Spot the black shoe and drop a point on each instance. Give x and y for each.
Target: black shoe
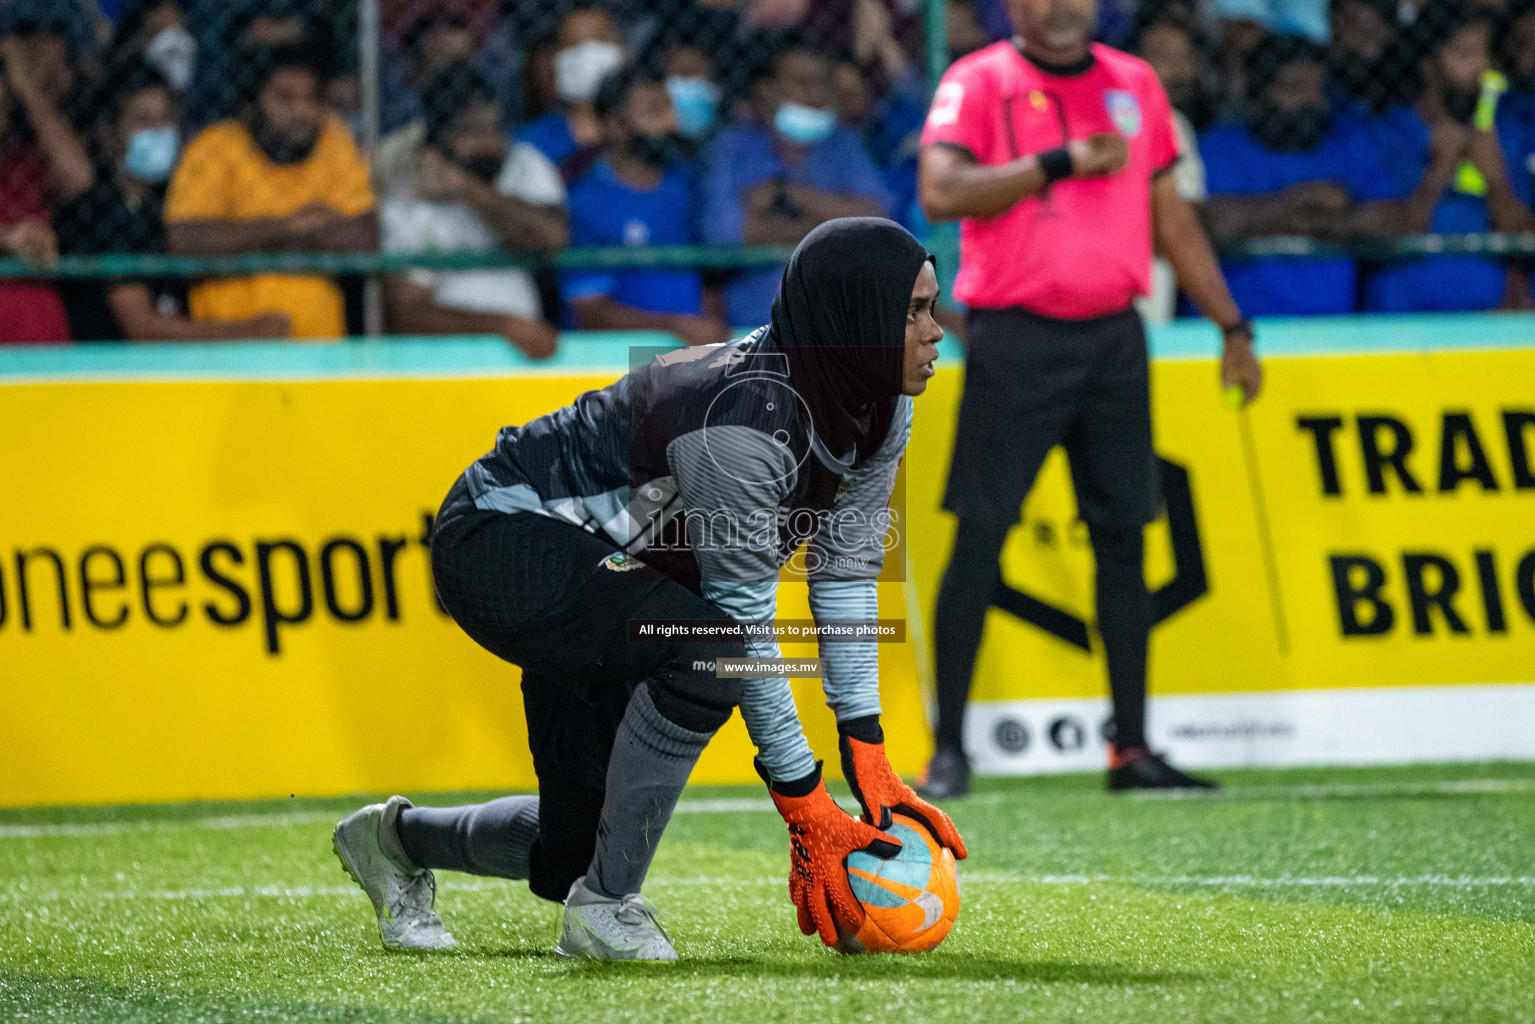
(1139, 768)
(947, 776)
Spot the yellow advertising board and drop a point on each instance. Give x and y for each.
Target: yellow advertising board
(219, 589)
(1343, 572)
(216, 586)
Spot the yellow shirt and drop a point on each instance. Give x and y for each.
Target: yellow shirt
(224, 175)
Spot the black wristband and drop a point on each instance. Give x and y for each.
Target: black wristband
(1243, 327)
(1056, 164)
(865, 730)
(790, 787)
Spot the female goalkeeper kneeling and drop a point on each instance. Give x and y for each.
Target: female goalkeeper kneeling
(677, 494)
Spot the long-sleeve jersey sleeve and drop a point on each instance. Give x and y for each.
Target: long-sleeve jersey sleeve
(846, 556)
(732, 480)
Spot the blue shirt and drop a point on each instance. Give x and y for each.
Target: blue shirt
(1516, 131)
(550, 135)
(1237, 164)
(747, 155)
(604, 210)
(1437, 283)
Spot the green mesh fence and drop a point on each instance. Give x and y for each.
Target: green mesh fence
(394, 79)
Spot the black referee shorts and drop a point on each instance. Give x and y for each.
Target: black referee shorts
(1033, 382)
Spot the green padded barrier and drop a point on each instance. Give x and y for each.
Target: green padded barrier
(606, 352)
(393, 357)
(668, 256)
(612, 257)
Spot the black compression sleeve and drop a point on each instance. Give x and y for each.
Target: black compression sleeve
(1056, 164)
(865, 730)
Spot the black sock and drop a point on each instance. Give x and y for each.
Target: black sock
(1124, 624)
(968, 585)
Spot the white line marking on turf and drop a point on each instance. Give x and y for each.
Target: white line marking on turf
(726, 805)
(107, 828)
(292, 818)
(982, 876)
(1458, 787)
(740, 805)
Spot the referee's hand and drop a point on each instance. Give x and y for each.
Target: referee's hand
(1099, 154)
(1239, 367)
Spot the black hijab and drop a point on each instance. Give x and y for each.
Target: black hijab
(840, 318)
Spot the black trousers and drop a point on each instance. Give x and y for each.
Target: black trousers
(546, 595)
(1033, 382)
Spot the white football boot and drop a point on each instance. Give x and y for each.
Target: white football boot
(598, 927)
(404, 895)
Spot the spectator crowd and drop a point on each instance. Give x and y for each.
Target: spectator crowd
(229, 127)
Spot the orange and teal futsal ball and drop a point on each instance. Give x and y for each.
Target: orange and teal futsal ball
(911, 900)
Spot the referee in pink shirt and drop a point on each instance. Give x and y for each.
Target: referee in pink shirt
(1054, 153)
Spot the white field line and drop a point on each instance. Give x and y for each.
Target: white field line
(726, 805)
(1459, 787)
(735, 805)
(292, 818)
(985, 875)
(981, 876)
(107, 828)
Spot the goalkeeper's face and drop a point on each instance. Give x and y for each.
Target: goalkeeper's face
(922, 332)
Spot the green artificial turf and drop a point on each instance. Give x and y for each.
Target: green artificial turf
(1360, 895)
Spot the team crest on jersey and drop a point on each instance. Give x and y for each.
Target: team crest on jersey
(946, 104)
(1124, 111)
(619, 561)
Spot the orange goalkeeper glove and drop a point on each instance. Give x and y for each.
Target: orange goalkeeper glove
(821, 835)
(880, 790)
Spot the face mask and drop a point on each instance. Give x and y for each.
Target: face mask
(695, 100)
(174, 54)
(1460, 101)
(152, 154)
(580, 69)
(1292, 130)
(485, 166)
(659, 151)
(802, 125)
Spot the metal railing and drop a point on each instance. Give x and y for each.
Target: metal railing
(712, 257)
(709, 257)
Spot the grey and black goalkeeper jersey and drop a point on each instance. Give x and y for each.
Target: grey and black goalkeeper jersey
(705, 463)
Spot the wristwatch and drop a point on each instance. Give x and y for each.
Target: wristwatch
(1243, 328)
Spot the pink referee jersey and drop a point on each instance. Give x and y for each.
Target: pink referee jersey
(1083, 247)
